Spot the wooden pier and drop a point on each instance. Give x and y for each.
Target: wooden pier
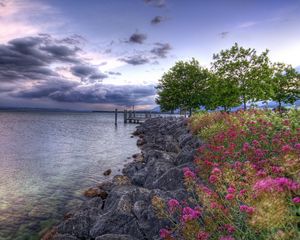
(138, 117)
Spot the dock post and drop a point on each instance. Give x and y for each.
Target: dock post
(116, 116)
(130, 117)
(125, 116)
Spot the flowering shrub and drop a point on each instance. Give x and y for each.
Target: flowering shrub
(250, 164)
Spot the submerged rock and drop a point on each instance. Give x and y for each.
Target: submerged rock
(107, 172)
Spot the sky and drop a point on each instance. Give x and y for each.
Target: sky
(106, 54)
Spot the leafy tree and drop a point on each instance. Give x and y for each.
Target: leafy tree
(285, 84)
(183, 86)
(243, 70)
(222, 93)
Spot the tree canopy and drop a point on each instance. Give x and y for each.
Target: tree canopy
(285, 84)
(244, 72)
(183, 86)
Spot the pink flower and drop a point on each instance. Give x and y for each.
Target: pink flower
(202, 235)
(173, 204)
(286, 148)
(255, 143)
(216, 171)
(247, 209)
(229, 196)
(188, 174)
(261, 173)
(246, 147)
(189, 214)
(231, 190)
(297, 146)
(275, 184)
(230, 229)
(296, 200)
(226, 238)
(213, 205)
(213, 178)
(164, 233)
(259, 153)
(242, 192)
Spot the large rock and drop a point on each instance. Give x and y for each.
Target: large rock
(116, 237)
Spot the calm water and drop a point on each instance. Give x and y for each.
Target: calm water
(47, 159)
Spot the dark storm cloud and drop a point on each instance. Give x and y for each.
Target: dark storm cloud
(157, 20)
(114, 73)
(45, 89)
(156, 3)
(87, 73)
(30, 58)
(34, 67)
(62, 91)
(135, 60)
(137, 38)
(223, 34)
(161, 49)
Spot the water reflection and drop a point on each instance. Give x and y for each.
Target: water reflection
(47, 159)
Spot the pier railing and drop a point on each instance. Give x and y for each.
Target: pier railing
(140, 116)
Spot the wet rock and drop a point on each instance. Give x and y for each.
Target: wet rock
(170, 180)
(107, 172)
(95, 192)
(116, 237)
(64, 237)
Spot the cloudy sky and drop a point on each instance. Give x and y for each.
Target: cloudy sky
(99, 54)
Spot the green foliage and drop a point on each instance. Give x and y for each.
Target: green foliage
(242, 76)
(183, 86)
(285, 84)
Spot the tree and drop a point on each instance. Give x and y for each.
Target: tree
(222, 93)
(245, 71)
(183, 86)
(285, 84)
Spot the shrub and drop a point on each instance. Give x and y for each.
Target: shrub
(250, 164)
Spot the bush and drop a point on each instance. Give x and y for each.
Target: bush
(250, 165)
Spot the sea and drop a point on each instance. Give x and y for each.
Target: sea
(47, 160)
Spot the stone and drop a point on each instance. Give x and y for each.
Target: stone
(95, 192)
(115, 237)
(107, 172)
(64, 237)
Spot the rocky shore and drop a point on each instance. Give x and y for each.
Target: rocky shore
(121, 209)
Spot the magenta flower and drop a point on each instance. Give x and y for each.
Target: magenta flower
(173, 204)
(213, 178)
(286, 148)
(247, 209)
(188, 174)
(275, 184)
(230, 229)
(231, 190)
(189, 214)
(226, 238)
(202, 235)
(216, 171)
(242, 192)
(164, 233)
(229, 196)
(297, 146)
(296, 200)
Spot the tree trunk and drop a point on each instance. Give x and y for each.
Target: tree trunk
(279, 106)
(190, 113)
(244, 103)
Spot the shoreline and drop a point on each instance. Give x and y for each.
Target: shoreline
(121, 208)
